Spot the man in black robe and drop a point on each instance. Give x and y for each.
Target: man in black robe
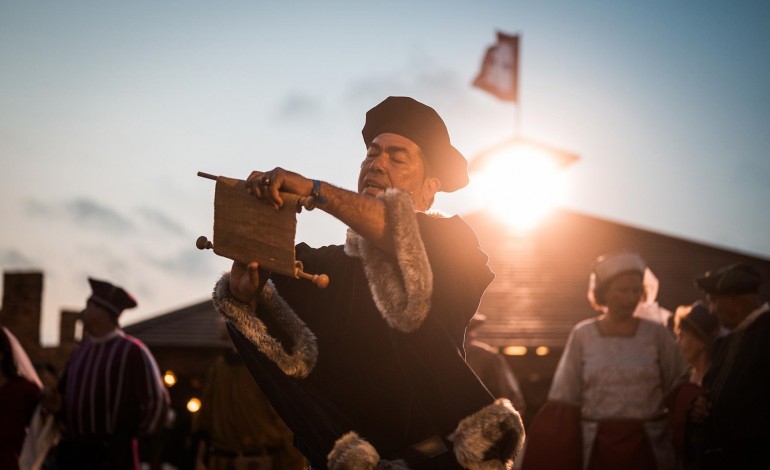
(737, 428)
(370, 370)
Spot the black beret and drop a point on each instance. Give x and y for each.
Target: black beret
(113, 298)
(422, 125)
(699, 319)
(734, 279)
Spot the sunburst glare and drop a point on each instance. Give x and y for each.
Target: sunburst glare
(521, 184)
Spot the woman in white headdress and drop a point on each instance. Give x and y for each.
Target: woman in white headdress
(606, 405)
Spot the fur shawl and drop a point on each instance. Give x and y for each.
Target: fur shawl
(401, 286)
(297, 363)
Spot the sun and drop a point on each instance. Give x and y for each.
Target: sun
(520, 185)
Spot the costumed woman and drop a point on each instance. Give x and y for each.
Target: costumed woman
(696, 330)
(606, 405)
(18, 399)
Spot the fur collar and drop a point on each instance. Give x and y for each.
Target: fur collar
(489, 439)
(401, 286)
(300, 362)
(352, 452)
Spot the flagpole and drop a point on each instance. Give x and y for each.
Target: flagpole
(517, 125)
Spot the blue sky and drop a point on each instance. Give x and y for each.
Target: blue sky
(108, 110)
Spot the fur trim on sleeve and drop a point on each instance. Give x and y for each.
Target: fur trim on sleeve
(300, 362)
(351, 452)
(401, 286)
(490, 438)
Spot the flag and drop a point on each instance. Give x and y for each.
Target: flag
(500, 68)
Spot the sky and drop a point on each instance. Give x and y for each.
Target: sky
(109, 109)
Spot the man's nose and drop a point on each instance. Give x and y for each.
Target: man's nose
(378, 163)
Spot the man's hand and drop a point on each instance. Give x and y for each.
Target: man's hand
(267, 185)
(701, 408)
(51, 401)
(247, 281)
(364, 214)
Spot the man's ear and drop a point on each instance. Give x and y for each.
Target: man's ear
(433, 185)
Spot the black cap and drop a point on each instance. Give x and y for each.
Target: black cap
(113, 298)
(734, 279)
(699, 319)
(422, 125)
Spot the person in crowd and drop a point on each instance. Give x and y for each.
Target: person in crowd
(236, 425)
(21, 360)
(648, 307)
(18, 399)
(696, 330)
(43, 433)
(111, 390)
(491, 366)
(735, 409)
(370, 371)
(606, 406)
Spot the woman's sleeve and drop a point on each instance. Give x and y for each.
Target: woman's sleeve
(554, 438)
(673, 365)
(567, 385)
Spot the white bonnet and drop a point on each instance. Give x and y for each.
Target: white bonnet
(609, 266)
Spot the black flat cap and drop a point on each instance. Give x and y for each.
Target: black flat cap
(699, 319)
(422, 125)
(113, 298)
(734, 279)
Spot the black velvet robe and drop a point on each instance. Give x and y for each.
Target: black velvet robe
(394, 389)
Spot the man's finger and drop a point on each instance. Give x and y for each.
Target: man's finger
(252, 182)
(254, 273)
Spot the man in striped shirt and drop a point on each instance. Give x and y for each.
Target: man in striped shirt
(111, 390)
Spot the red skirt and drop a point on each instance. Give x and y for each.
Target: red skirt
(623, 445)
(554, 441)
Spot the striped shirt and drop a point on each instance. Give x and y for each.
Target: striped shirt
(112, 385)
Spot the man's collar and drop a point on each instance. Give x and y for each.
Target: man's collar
(107, 337)
(752, 316)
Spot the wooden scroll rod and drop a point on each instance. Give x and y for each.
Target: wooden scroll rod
(320, 280)
(308, 202)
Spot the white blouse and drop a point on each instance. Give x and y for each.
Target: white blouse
(620, 377)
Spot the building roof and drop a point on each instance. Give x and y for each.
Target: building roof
(195, 326)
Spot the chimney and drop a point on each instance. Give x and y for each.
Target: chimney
(22, 298)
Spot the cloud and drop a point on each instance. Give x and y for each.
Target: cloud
(82, 212)
(87, 212)
(299, 106)
(14, 259)
(423, 79)
(189, 262)
(378, 85)
(161, 220)
(34, 207)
